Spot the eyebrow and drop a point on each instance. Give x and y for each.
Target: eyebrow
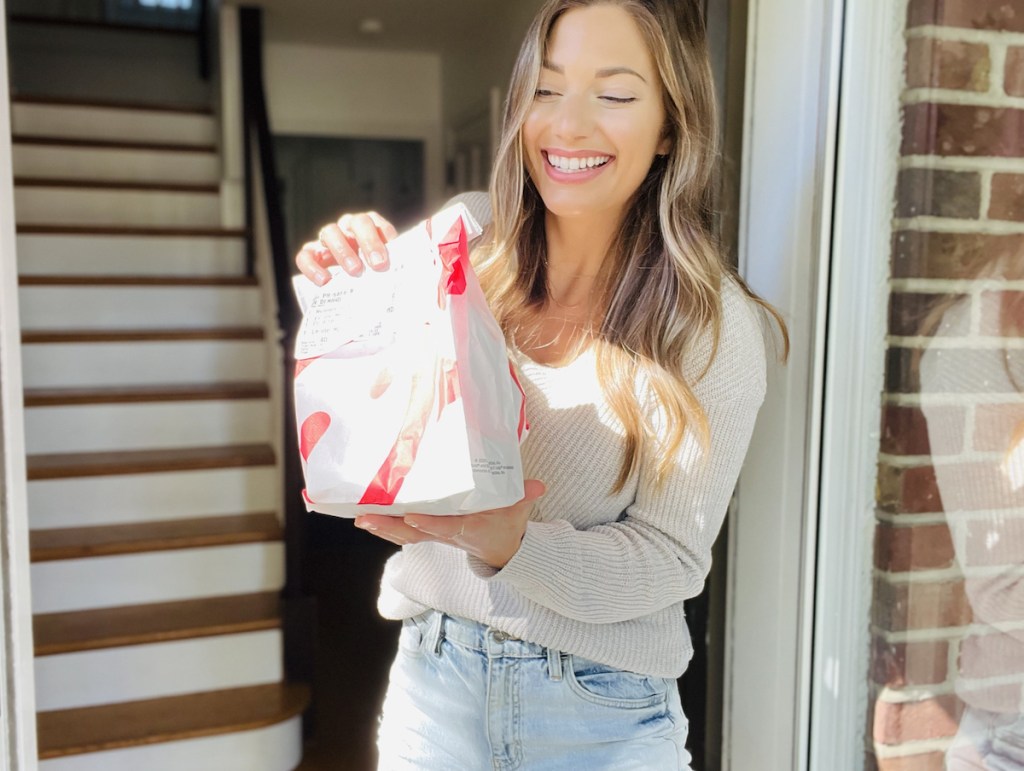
(607, 72)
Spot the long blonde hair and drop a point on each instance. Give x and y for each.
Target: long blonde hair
(662, 287)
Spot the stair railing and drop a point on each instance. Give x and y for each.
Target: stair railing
(264, 220)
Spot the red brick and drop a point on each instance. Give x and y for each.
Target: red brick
(948, 64)
(898, 665)
(898, 607)
(911, 490)
(997, 426)
(914, 314)
(905, 430)
(997, 541)
(1013, 79)
(935, 718)
(1007, 197)
(962, 130)
(923, 254)
(946, 487)
(938, 193)
(952, 370)
(899, 549)
(1005, 15)
(1002, 313)
(929, 761)
(991, 655)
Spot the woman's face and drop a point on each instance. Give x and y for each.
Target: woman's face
(597, 118)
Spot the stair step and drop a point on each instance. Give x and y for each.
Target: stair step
(56, 633)
(87, 358)
(132, 724)
(111, 104)
(119, 254)
(116, 500)
(65, 465)
(93, 161)
(18, 140)
(52, 397)
(113, 120)
(29, 337)
(106, 26)
(116, 184)
(72, 204)
(85, 229)
(73, 280)
(82, 542)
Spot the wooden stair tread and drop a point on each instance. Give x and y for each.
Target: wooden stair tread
(57, 21)
(115, 726)
(139, 335)
(114, 104)
(51, 397)
(82, 464)
(82, 630)
(106, 184)
(111, 144)
(87, 280)
(128, 230)
(68, 543)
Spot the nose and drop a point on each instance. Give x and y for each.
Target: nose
(573, 119)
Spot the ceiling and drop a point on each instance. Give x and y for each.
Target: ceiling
(413, 25)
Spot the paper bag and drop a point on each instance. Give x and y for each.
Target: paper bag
(405, 397)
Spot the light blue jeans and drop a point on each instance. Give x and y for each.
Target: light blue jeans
(464, 697)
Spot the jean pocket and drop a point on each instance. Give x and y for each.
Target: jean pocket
(410, 639)
(612, 687)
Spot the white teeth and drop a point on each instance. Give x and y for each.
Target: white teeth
(576, 164)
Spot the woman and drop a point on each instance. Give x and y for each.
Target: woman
(548, 635)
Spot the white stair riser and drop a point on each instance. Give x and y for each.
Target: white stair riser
(112, 123)
(138, 307)
(159, 425)
(60, 162)
(140, 363)
(118, 500)
(130, 255)
(34, 205)
(274, 748)
(179, 574)
(155, 670)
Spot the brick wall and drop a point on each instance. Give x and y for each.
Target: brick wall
(950, 522)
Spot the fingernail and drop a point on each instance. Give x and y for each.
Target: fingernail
(376, 259)
(353, 266)
(365, 526)
(412, 524)
(320, 278)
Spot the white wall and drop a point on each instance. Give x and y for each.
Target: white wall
(341, 92)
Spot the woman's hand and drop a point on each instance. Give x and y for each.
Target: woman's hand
(353, 242)
(491, 536)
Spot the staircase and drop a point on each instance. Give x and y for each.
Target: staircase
(154, 484)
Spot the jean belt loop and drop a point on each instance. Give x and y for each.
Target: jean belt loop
(436, 633)
(555, 664)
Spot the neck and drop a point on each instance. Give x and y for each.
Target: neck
(576, 246)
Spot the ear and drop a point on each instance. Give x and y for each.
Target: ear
(665, 145)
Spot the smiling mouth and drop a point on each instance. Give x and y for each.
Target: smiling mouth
(576, 165)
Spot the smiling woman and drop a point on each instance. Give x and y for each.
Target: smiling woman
(549, 634)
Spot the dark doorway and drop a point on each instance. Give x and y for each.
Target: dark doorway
(321, 178)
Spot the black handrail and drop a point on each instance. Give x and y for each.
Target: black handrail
(298, 607)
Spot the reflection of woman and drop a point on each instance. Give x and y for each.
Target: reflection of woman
(549, 634)
(975, 409)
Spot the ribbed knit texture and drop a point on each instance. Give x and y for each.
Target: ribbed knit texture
(604, 575)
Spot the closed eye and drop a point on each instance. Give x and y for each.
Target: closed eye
(619, 99)
(541, 93)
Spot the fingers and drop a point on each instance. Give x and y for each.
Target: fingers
(354, 241)
(533, 489)
(451, 529)
(312, 260)
(364, 230)
(390, 529)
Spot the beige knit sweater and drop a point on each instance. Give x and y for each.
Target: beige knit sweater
(598, 574)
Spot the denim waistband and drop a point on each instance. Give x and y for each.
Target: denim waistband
(474, 635)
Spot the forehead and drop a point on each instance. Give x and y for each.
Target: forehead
(598, 36)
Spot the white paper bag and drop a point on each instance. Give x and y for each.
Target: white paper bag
(404, 395)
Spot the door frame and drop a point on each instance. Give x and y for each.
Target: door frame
(786, 202)
(17, 697)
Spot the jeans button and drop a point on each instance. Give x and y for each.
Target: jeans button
(499, 636)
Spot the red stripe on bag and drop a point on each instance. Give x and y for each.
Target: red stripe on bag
(522, 405)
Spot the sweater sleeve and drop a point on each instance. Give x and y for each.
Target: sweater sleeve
(659, 551)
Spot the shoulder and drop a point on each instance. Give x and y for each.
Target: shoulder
(739, 366)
